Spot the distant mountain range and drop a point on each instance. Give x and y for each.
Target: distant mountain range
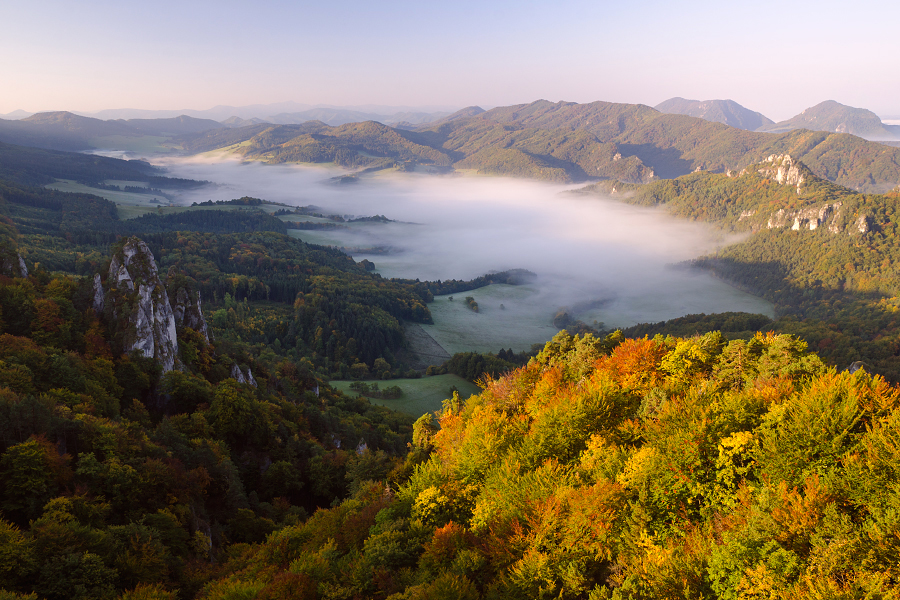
(339, 116)
(67, 131)
(826, 116)
(728, 112)
(562, 141)
(285, 113)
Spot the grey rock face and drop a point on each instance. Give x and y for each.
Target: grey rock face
(784, 170)
(98, 295)
(11, 262)
(237, 374)
(140, 304)
(188, 311)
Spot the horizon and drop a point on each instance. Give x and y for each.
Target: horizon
(888, 117)
(168, 56)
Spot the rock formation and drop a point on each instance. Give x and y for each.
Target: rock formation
(138, 304)
(186, 305)
(785, 170)
(11, 262)
(238, 375)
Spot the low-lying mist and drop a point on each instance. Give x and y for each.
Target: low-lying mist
(613, 260)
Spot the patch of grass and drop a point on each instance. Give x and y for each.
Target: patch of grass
(132, 204)
(521, 322)
(66, 185)
(420, 396)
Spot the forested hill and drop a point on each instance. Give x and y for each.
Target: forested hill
(657, 468)
(62, 130)
(116, 475)
(674, 145)
(564, 141)
(36, 166)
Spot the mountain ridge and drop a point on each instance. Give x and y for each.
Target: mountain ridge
(728, 112)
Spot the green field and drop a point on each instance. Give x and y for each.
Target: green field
(420, 396)
(692, 293)
(521, 322)
(132, 204)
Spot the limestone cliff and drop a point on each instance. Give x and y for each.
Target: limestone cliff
(238, 375)
(11, 262)
(785, 170)
(186, 305)
(138, 304)
(12, 265)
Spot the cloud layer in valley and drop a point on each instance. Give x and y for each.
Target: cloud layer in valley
(587, 251)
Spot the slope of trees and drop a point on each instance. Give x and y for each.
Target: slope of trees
(620, 468)
(116, 477)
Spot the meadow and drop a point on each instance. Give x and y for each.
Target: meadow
(420, 396)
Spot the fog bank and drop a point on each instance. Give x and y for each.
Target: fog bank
(613, 260)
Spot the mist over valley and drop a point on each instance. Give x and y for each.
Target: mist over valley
(600, 259)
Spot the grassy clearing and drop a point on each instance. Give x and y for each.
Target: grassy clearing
(420, 396)
(323, 237)
(144, 202)
(133, 204)
(527, 318)
(521, 322)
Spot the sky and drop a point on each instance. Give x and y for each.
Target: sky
(774, 57)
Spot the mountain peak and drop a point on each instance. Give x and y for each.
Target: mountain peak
(728, 112)
(835, 117)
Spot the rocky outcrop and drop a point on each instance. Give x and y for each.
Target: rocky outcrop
(186, 306)
(810, 218)
(807, 218)
(99, 294)
(138, 304)
(11, 262)
(785, 170)
(814, 217)
(239, 376)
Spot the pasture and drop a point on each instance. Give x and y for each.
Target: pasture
(509, 316)
(420, 396)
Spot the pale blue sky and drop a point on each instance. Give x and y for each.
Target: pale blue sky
(775, 57)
